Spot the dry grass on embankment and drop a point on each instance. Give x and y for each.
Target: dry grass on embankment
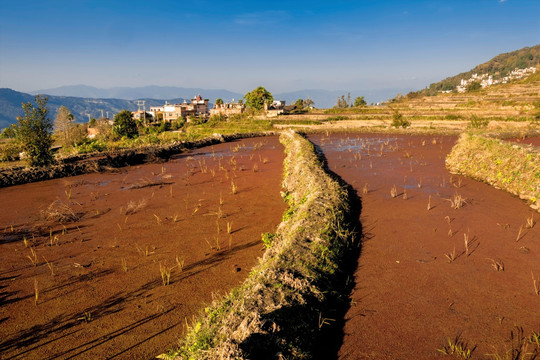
(98, 162)
(505, 165)
(279, 310)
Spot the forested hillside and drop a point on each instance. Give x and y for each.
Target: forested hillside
(500, 66)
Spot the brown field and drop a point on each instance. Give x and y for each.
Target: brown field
(443, 257)
(85, 260)
(426, 276)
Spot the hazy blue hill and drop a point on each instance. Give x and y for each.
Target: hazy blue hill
(10, 105)
(87, 100)
(500, 66)
(322, 98)
(145, 92)
(11, 100)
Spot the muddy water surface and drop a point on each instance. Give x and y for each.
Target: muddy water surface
(417, 282)
(83, 260)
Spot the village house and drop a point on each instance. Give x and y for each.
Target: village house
(170, 112)
(197, 107)
(278, 107)
(228, 109)
(140, 115)
(156, 112)
(486, 80)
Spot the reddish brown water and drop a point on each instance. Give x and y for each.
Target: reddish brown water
(409, 299)
(106, 298)
(535, 141)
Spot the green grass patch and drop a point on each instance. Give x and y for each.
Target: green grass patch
(505, 165)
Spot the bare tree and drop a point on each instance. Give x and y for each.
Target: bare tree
(63, 124)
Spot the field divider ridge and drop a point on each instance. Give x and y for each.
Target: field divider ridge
(282, 309)
(505, 165)
(107, 160)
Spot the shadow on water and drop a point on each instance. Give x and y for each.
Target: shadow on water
(331, 333)
(63, 326)
(296, 323)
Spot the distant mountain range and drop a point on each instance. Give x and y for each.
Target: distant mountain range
(82, 108)
(322, 98)
(145, 92)
(86, 101)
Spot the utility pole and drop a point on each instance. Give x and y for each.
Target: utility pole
(143, 104)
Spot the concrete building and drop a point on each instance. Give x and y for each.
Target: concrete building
(196, 107)
(228, 109)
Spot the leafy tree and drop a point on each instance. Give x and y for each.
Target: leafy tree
(341, 103)
(35, 132)
(256, 98)
(124, 124)
(475, 85)
(105, 130)
(308, 102)
(219, 101)
(78, 134)
(413, 95)
(359, 101)
(92, 123)
(63, 123)
(10, 132)
(299, 104)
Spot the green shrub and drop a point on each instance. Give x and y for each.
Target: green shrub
(268, 239)
(452, 117)
(474, 86)
(535, 120)
(178, 124)
(125, 125)
(91, 146)
(216, 119)
(10, 132)
(196, 120)
(9, 151)
(337, 118)
(399, 121)
(477, 122)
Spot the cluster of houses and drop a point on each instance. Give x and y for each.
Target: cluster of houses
(486, 80)
(170, 112)
(199, 107)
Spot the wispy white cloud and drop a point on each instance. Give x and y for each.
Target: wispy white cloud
(261, 18)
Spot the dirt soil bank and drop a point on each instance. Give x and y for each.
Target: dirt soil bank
(409, 298)
(98, 242)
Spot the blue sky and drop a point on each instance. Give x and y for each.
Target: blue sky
(238, 45)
